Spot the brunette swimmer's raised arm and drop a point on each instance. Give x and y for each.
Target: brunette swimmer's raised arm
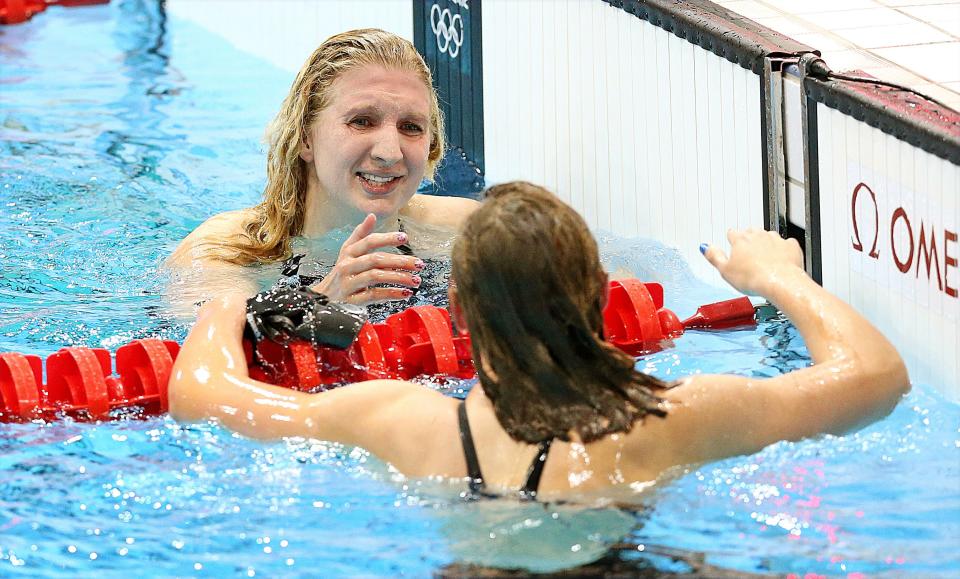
(857, 375)
(393, 419)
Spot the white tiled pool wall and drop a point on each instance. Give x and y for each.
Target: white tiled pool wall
(899, 266)
(641, 131)
(649, 135)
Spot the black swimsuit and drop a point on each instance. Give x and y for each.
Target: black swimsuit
(432, 290)
(477, 486)
(290, 274)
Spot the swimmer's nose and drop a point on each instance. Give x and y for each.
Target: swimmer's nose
(386, 149)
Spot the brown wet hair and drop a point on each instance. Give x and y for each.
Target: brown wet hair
(531, 288)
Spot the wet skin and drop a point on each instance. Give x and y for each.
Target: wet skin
(857, 376)
(367, 152)
(366, 155)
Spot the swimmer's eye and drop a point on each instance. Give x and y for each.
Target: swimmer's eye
(412, 128)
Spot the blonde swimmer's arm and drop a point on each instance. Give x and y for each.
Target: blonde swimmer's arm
(210, 379)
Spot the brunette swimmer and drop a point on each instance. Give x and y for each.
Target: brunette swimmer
(558, 411)
(356, 135)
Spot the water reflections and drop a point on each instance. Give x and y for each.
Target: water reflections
(116, 143)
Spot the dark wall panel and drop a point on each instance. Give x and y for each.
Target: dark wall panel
(448, 34)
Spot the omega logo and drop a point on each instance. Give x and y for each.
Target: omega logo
(918, 247)
(448, 28)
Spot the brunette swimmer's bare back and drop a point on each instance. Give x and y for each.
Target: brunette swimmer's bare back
(857, 376)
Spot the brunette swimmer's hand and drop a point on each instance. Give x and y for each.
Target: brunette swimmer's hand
(757, 259)
(360, 267)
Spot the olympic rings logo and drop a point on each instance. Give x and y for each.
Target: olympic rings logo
(448, 29)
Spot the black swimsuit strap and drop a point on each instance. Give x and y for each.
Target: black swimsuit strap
(470, 451)
(477, 485)
(404, 248)
(529, 490)
(290, 274)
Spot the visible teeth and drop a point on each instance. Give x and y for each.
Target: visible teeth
(375, 178)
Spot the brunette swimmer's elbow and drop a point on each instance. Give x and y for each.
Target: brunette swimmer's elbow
(898, 375)
(888, 382)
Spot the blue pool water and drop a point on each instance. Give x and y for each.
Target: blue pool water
(121, 131)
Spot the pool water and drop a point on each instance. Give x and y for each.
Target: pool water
(122, 130)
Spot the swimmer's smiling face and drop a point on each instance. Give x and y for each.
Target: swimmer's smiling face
(367, 152)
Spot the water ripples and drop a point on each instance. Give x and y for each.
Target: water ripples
(107, 163)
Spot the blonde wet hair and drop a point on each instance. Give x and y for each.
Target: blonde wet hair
(268, 229)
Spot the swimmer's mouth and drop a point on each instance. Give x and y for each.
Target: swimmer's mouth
(378, 183)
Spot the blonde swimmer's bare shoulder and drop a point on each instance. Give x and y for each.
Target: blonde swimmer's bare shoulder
(440, 211)
(220, 227)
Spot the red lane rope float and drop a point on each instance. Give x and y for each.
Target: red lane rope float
(80, 382)
(631, 320)
(76, 379)
(722, 315)
(17, 11)
(415, 342)
(144, 367)
(420, 341)
(424, 334)
(635, 320)
(20, 380)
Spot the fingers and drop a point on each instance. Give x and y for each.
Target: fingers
(381, 260)
(362, 230)
(715, 255)
(372, 277)
(797, 250)
(351, 277)
(347, 287)
(378, 295)
(360, 267)
(363, 240)
(372, 242)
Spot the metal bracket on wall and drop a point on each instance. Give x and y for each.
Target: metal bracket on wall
(811, 173)
(774, 162)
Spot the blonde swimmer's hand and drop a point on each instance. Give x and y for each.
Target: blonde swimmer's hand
(360, 268)
(757, 259)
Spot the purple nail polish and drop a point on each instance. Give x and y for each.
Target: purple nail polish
(419, 264)
(402, 237)
(416, 280)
